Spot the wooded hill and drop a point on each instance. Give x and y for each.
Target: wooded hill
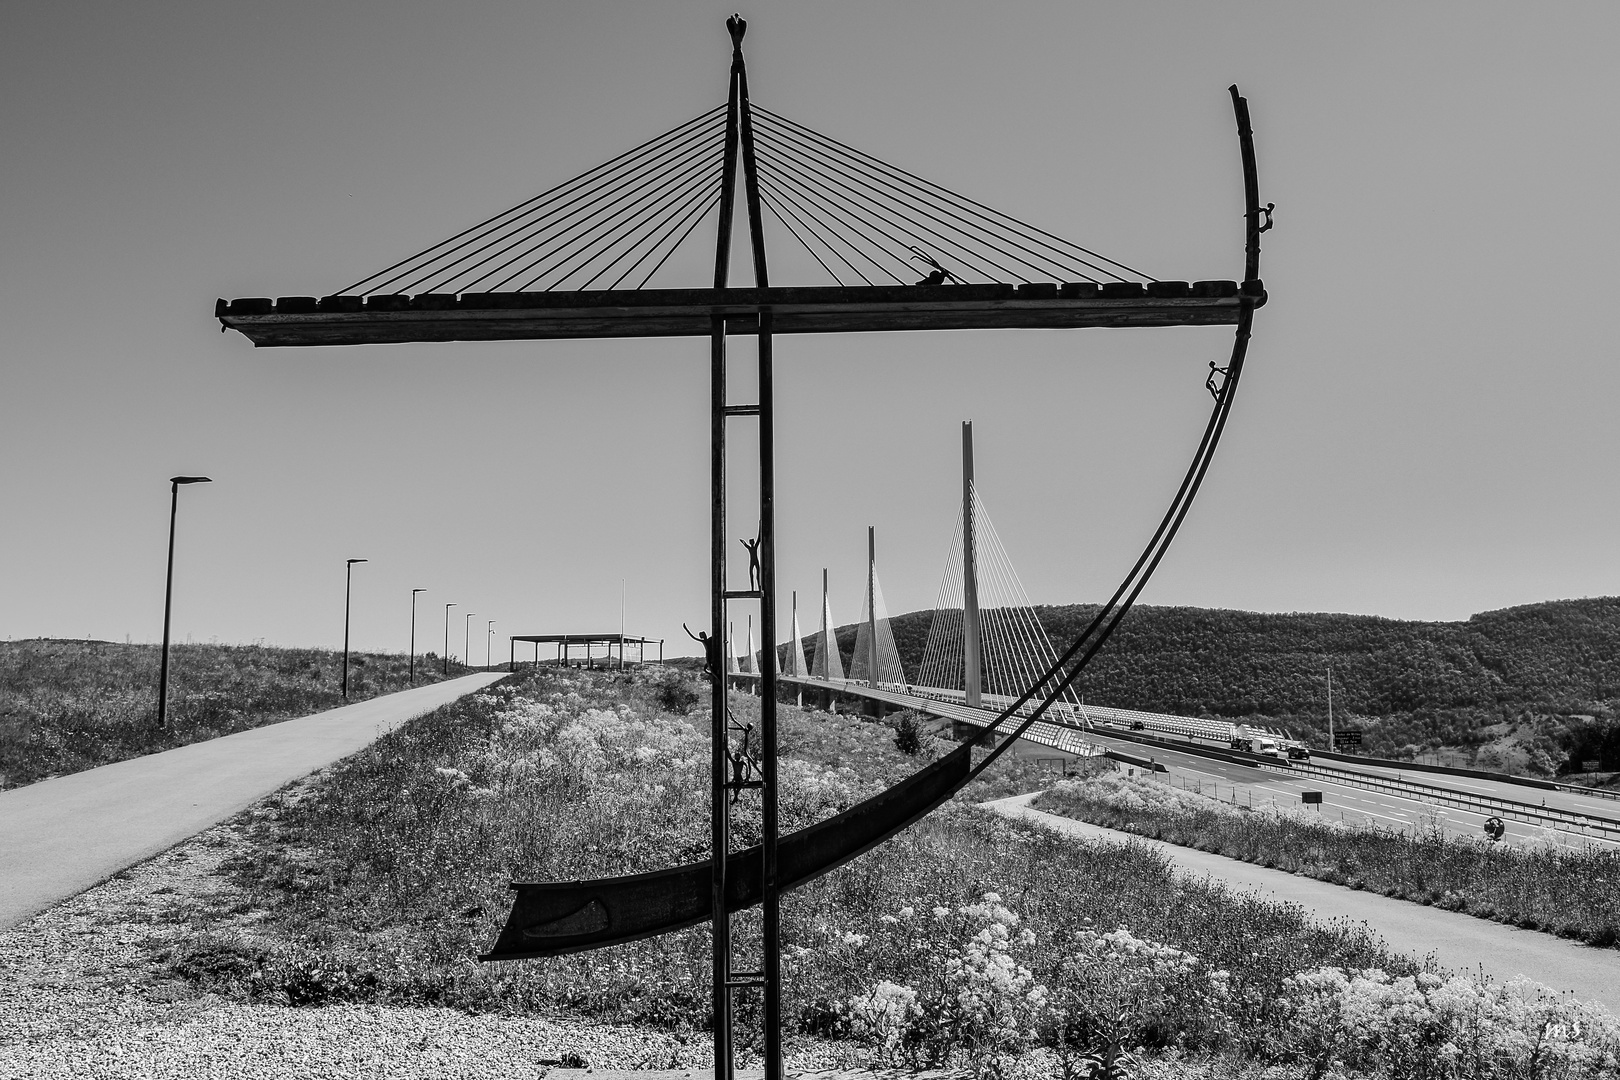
(1553, 667)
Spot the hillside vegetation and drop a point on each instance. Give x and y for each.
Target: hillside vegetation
(66, 706)
(1534, 688)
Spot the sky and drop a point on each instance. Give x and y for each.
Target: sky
(1426, 427)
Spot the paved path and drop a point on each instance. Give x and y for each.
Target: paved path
(1459, 942)
(59, 837)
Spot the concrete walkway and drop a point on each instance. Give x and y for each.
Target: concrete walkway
(1459, 942)
(59, 837)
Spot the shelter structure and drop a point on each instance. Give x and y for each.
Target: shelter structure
(567, 643)
(574, 262)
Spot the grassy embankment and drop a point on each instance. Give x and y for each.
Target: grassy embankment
(1574, 894)
(66, 706)
(967, 938)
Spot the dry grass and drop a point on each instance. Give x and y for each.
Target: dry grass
(391, 873)
(66, 706)
(1574, 894)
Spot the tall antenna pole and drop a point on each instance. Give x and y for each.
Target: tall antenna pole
(971, 663)
(871, 609)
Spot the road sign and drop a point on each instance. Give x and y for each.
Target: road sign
(1494, 828)
(1309, 797)
(1347, 739)
(1591, 766)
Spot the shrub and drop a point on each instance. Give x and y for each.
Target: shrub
(908, 734)
(675, 692)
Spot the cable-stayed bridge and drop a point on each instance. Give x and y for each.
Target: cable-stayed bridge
(985, 645)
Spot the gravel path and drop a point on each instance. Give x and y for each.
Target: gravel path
(84, 993)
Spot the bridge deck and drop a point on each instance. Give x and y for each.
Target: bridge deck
(1057, 736)
(357, 320)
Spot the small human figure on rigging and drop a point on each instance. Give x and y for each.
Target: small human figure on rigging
(1209, 383)
(753, 562)
(742, 764)
(711, 651)
(939, 275)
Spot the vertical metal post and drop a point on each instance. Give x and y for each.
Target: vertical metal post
(871, 609)
(348, 578)
(168, 598)
(740, 144)
(971, 663)
(719, 813)
(447, 608)
(412, 681)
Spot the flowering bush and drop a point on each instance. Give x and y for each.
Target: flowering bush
(975, 1002)
(1426, 1026)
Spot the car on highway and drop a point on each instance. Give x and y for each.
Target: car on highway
(1269, 748)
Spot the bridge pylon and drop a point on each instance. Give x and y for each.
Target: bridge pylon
(972, 647)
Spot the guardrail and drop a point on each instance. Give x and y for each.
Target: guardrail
(1488, 804)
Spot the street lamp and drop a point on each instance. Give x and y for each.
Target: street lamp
(489, 633)
(348, 577)
(168, 594)
(413, 636)
(466, 639)
(447, 608)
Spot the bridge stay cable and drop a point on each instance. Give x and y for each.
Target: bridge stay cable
(973, 207)
(902, 208)
(586, 184)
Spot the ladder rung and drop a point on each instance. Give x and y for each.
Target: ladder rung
(742, 594)
(740, 410)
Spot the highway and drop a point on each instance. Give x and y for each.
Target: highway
(1352, 792)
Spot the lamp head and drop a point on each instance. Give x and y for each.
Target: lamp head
(353, 561)
(190, 480)
(415, 591)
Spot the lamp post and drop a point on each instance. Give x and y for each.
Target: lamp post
(348, 579)
(447, 608)
(412, 681)
(466, 638)
(168, 595)
(489, 635)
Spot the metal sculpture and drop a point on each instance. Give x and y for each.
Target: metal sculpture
(627, 218)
